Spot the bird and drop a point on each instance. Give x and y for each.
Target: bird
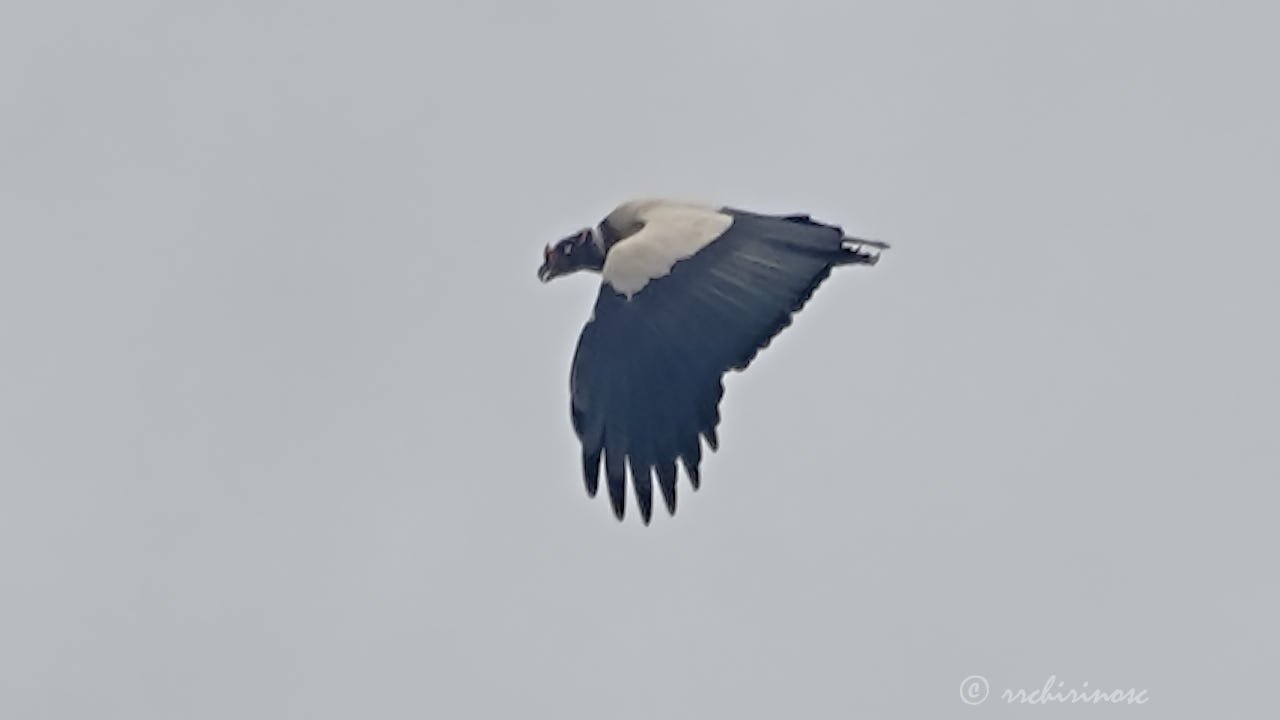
(688, 292)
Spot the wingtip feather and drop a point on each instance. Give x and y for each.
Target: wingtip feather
(667, 483)
(591, 472)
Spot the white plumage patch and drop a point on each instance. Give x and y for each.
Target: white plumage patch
(670, 232)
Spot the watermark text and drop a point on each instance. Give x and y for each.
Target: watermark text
(975, 690)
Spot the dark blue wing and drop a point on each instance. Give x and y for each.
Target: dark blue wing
(646, 378)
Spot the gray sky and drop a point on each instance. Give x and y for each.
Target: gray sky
(284, 410)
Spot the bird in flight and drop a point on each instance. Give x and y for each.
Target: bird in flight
(688, 292)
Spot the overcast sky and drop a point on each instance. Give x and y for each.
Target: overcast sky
(284, 426)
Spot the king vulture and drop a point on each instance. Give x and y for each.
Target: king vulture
(688, 292)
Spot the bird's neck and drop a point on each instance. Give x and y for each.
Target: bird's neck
(589, 257)
(606, 236)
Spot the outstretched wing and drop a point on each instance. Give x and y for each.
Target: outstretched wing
(683, 300)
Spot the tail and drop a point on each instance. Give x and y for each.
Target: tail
(856, 255)
(853, 254)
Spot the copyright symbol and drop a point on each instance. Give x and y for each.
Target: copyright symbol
(974, 690)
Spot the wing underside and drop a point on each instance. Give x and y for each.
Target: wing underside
(646, 378)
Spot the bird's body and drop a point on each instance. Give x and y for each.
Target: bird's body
(688, 292)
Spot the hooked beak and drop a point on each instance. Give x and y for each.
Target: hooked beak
(544, 272)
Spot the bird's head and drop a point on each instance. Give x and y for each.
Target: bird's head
(580, 251)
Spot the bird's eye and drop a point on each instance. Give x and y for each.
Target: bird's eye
(567, 248)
